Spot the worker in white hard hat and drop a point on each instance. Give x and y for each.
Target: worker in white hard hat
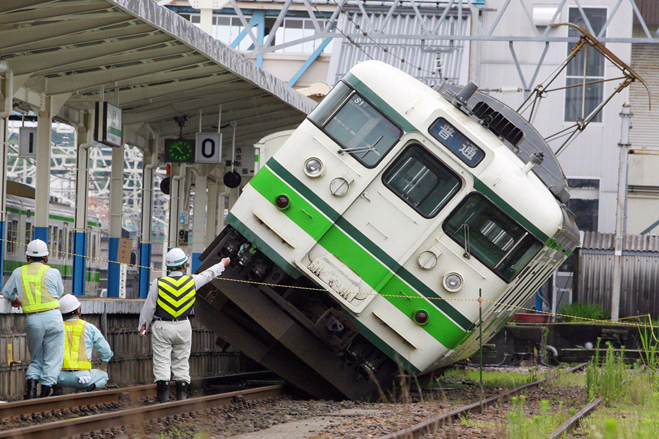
(81, 339)
(168, 305)
(36, 288)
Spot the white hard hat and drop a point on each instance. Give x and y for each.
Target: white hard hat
(37, 249)
(68, 303)
(175, 258)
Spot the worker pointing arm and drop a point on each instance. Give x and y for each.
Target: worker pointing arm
(169, 304)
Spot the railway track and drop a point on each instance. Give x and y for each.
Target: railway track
(432, 426)
(113, 411)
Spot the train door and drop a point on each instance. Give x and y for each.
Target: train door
(374, 236)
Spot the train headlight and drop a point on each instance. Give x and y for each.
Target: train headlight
(313, 167)
(421, 317)
(453, 282)
(282, 202)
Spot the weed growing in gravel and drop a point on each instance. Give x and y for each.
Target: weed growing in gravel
(632, 401)
(522, 426)
(650, 357)
(607, 380)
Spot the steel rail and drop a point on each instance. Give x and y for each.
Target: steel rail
(571, 424)
(31, 406)
(432, 425)
(139, 415)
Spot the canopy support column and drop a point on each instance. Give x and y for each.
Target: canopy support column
(199, 223)
(116, 203)
(211, 213)
(80, 235)
(148, 160)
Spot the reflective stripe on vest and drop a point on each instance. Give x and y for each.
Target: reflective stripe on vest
(75, 350)
(35, 294)
(176, 295)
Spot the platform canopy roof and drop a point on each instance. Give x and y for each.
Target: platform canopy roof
(145, 59)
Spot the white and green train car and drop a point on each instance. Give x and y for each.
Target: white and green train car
(20, 231)
(368, 237)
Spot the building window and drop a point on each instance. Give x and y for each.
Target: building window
(576, 107)
(228, 28)
(584, 202)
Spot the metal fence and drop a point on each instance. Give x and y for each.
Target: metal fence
(640, 273)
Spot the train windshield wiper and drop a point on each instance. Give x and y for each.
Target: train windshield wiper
(467, 243)
(365, 149)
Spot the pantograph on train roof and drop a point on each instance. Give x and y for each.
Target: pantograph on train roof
(514, 127)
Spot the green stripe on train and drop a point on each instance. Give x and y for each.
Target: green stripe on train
(382, 256)
(92, 275)
(55, 217)
(350, 251)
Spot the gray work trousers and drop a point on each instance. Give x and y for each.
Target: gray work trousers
(171, 342)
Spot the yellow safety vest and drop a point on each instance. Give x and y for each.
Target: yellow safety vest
(176, 295)
(35, 294)
(75, 350)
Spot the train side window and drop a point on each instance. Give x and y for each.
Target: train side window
(28, 232)
(357, 126)
(53, 242)
(421, 181)
(456, 142)
(65, 241)
(70, 244)
(12, 236)
(491, 236)
(60, 243)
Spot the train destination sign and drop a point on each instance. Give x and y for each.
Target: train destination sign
(456, 142)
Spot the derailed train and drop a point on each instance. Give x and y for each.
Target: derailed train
(361, 248)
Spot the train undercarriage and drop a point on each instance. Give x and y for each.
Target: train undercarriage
(288, 325)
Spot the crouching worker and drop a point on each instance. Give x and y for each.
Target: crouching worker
(80, 339)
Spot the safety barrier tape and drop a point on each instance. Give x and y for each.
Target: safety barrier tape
(447, 299)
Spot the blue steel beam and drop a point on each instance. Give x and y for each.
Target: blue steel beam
(257, 19)
(309, 61)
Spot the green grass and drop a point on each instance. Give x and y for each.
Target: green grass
(579, 312)
(631, 396)
(491, 379)
(523, 426)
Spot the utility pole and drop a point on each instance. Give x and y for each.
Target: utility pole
(626, 116)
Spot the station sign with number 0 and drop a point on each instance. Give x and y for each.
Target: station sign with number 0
(209, 148)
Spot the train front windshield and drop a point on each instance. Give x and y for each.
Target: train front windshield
(491, 236)
(357, 126)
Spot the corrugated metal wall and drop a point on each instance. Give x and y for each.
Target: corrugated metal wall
(640, 273)
(132, 361)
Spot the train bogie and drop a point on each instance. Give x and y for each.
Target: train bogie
(386, 215)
